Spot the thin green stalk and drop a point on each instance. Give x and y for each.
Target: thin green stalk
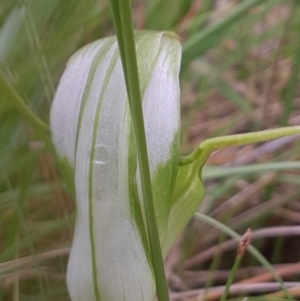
(242, 248)
(123, 24)
(259, 257)
(220, 172)
(37, 124)
(209, 145)
(231, 277)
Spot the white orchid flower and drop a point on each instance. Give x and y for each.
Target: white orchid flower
(92, 131)
(93, 135)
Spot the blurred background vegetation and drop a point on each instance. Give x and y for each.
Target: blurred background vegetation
(240, 73)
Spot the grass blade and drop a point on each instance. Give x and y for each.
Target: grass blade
(196, 44)
(36, 123)
(122, 20)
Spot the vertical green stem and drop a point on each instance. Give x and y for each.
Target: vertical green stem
(231, 277)
(123, 25)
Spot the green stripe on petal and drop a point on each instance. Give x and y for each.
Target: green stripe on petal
(162, 100)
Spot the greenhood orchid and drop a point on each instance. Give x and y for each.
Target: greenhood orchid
(93, 136)
(91, 129)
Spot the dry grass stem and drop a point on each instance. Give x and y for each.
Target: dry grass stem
(231, 244)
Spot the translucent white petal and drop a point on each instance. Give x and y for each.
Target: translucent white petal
(91, 127)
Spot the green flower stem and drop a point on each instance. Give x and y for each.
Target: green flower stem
(252, 250)
(37, 124)
(231, 277)
(123, 25)
(209, 145)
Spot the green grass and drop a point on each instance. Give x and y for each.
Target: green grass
(236, 77)
(121, 11)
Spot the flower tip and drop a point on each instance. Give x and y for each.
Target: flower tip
(245, 242)
(172, 35)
